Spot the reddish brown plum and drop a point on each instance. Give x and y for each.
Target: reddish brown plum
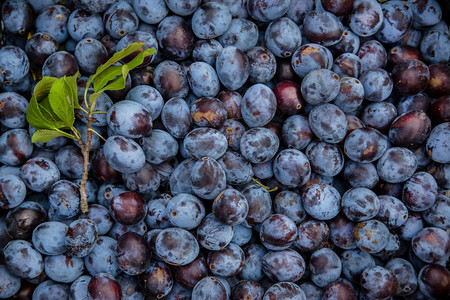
(440, 109)
(230, 207)
(338, 8)
(157, 280)
(132, 253)
(401, 53)
(410, 129)
(410, 77)
(102, 169)
(208, 111)
(419, 101)
(188, 275)
(104, 286)
(289, 98)
(439, 84)
(339, 289)
(434, 281)
(128, 208)
(431, 244)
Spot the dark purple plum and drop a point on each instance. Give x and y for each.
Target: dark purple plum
(292, 168)
(185, 211)
(278, 232)
(296, 132)
(366, 17)
(284, 265)
(325, 266)
(120, 19)
(84, 24)
(170, 80)
(284, 290)
(396, 165)
(21, 220)
(175, 37)
(309, 57)
(128, 208)
(242, 33)
(371, 236)
(103, 286)
(379, 282)
(232, 67)
(321, 201)
(322, 27)
(132, 253)
(328, 122)
(188, 275)
(267, 10)
(214, 235)
(81, 237)
(226, 262)
(176, 246)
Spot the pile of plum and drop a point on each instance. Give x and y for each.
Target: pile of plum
(269, 149)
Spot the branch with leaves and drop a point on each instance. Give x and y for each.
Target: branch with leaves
(51, 110)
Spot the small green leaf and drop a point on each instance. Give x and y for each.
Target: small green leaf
(61, 102)
(45, 135)
(111, 73)
(114, 59)
(118, 83)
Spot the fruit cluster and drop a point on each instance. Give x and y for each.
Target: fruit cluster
(267, 149)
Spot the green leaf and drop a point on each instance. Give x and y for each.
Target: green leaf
(47, 112)
(61, 102)
(34, 115)
(45, 135)
(112, 72)
(114, 59)
(73, 87)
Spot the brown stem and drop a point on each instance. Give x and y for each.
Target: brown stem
(87, 147)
